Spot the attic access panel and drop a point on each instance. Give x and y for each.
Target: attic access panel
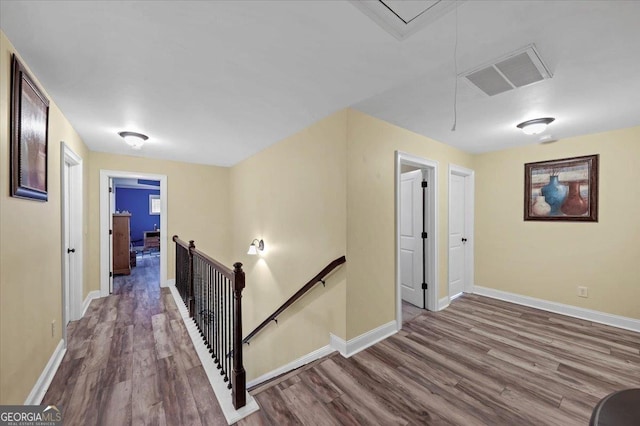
(402, 18)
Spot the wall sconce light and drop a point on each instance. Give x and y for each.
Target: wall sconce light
(535, 126)
(133, 139)
(253, 249)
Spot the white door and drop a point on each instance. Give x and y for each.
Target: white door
(457, 238)
(411, 253)
(67, 247)
(112, 209)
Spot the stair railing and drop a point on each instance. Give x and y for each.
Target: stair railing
(212, 293)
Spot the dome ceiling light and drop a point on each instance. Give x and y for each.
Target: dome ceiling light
(535, 126)
(133, 139)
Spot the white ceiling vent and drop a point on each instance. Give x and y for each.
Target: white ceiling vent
(401, 18)
(517, 69)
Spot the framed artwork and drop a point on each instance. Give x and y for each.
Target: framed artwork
(562, 190)
(29, 134)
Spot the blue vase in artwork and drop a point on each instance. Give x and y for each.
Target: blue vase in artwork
(554, 194)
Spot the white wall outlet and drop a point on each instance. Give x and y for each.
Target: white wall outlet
(583, 291)
(53, 328)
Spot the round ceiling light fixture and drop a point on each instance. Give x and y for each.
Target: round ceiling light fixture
(133, 139)
(535, 126)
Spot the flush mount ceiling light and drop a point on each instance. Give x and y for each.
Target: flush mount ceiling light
(253, 249)
(535, 126)
(133, 139)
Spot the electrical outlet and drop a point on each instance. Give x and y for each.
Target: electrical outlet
(583, 292)
(53, 328)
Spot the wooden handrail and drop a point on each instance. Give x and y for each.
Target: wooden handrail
(180, 242)
(219, 266)
(312, 282)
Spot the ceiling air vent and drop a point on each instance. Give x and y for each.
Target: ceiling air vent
(514, 70)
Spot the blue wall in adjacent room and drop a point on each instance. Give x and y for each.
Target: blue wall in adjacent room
(136, 202)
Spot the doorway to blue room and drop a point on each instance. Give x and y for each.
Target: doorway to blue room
(136, 214)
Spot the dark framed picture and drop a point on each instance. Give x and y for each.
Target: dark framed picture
(562, 190)
(29, 134)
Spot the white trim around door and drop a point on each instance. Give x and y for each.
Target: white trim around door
(71, 206)
(469, 187)
(430, 169)
(104, 223)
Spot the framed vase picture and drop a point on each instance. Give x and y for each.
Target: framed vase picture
(29, 134)
(562, 190)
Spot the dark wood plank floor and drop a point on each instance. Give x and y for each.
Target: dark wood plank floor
(479, 362)
(130, 361)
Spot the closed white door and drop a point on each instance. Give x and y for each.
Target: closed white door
(457, 239)
(411, 252)
(68, 255)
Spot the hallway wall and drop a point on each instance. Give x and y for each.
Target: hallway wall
(548, 260)
(198, 206)
(30, 260)
(371, 290)
(292, 195)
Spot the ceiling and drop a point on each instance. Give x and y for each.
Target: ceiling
(215, 82)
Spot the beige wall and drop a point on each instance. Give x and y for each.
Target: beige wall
(30, 276)
(371, 291)
(548, 260)
(198, 204)
(292, 195)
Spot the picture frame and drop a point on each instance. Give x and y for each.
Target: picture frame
(564, 190)
(29, 136)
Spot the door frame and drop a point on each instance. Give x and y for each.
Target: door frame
(104, 223)
(431, 168)
(469, 188)
(76, 202)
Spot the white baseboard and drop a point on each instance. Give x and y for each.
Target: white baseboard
(85, 305)
(43, 382)
(351, 347)
(443, 303)
(346, 348)
(170, 283)
(304, 360)
(223, 395)
(560, 308)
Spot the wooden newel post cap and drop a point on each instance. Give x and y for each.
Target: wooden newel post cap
(237, 267)
(192, 244)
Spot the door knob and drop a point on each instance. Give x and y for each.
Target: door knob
(464, 240)
(71, 250)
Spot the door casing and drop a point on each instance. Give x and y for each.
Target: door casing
(469, 187)
(105, 253)
(71, 226)
(431, 169)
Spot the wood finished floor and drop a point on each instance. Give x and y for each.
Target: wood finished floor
(130, 361)
(479, 362)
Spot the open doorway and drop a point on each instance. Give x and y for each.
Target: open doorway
(136, 216)
(132, 206)
(416, 235)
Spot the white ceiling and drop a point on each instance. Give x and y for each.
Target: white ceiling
(215, 82)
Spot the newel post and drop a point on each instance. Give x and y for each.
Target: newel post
(239, 379)
(190, 293)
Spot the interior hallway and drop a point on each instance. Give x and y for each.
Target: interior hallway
(130, 361)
